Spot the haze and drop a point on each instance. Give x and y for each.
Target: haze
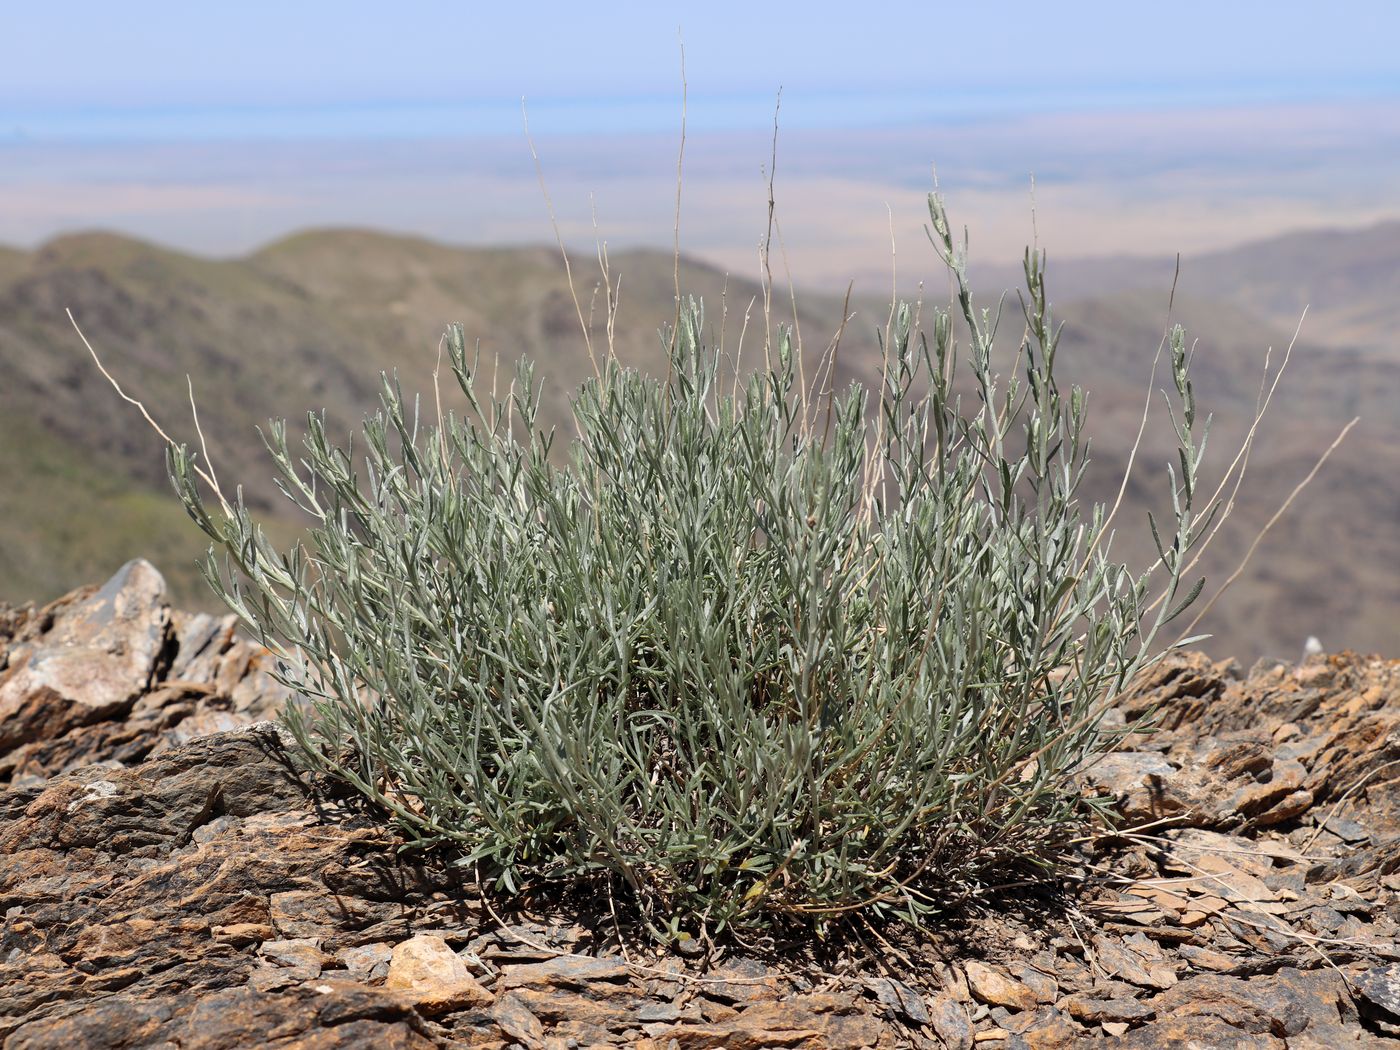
(1147, 131)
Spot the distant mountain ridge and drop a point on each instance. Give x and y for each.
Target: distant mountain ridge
(308, 323)
(1348, 281)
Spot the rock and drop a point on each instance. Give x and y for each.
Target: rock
(949, 1021)
(1283, 1005)
(993, 987)
(98, 656)
(1118, 960)
(1048, 1029)
(164, 883)
(1096, 1011)
(370, 960)
(302, 957)
(1379, 991)
(113, 899)
(515, 1020)
(1178, 690)
(1284, 778)
(1146, 788)
(241, 934)
(329, 1015)
(899, 999)
(566, 970)
(736, 981)
(1042, 985)
(433, 977)
(810, 1021)
(114, 676)
(1195, 1033)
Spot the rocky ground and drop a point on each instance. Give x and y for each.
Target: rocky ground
(166, 880)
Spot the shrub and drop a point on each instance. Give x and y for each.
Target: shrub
(747, 653)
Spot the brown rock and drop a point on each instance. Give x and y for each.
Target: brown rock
(240, 934)
(1196, 1033)
(1049, 1029)
(589, 1015)
(738, 981)
(142, 702)
(1283, 1004)
(993, 987)
(514, 1018)
(432, 975)
(1042, 985)
(1095, 1011)
(1179, 690)
(566, 970)
(1118, 960)
(1285, 778)
(1291, 806)
(303, 957)
(1245, 758)
(188, 894)
(366, 958)
(316, 1016)
(1146, 788)
(949, 1021)
(816, 1021)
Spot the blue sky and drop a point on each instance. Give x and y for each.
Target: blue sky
(179, 71)
(1149, 128)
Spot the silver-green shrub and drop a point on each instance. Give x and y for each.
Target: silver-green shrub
(746, 653)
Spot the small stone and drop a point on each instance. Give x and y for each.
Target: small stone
(573, 970)
(1096, 1011)
(652, 1012)
(1120, 961)
(1050, 1030)
(433, 976)
(995, 988)
(690, 947)
(1348, 831)
(1286, 732)
(363, 958)
(948, 1019)
(738, 981)
(98, 656)
(302, 956)
(1206, 958)
(515, 1019)
(1042, 986)
(273, 979)
(1287, 808)
(242, 934)
(899, 999)
(1380, 987)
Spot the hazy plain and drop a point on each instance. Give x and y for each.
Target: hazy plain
(1146, 181)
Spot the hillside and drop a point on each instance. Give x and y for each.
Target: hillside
(309, 321)
(1347, 280)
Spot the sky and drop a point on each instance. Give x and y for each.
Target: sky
(1147, 127)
